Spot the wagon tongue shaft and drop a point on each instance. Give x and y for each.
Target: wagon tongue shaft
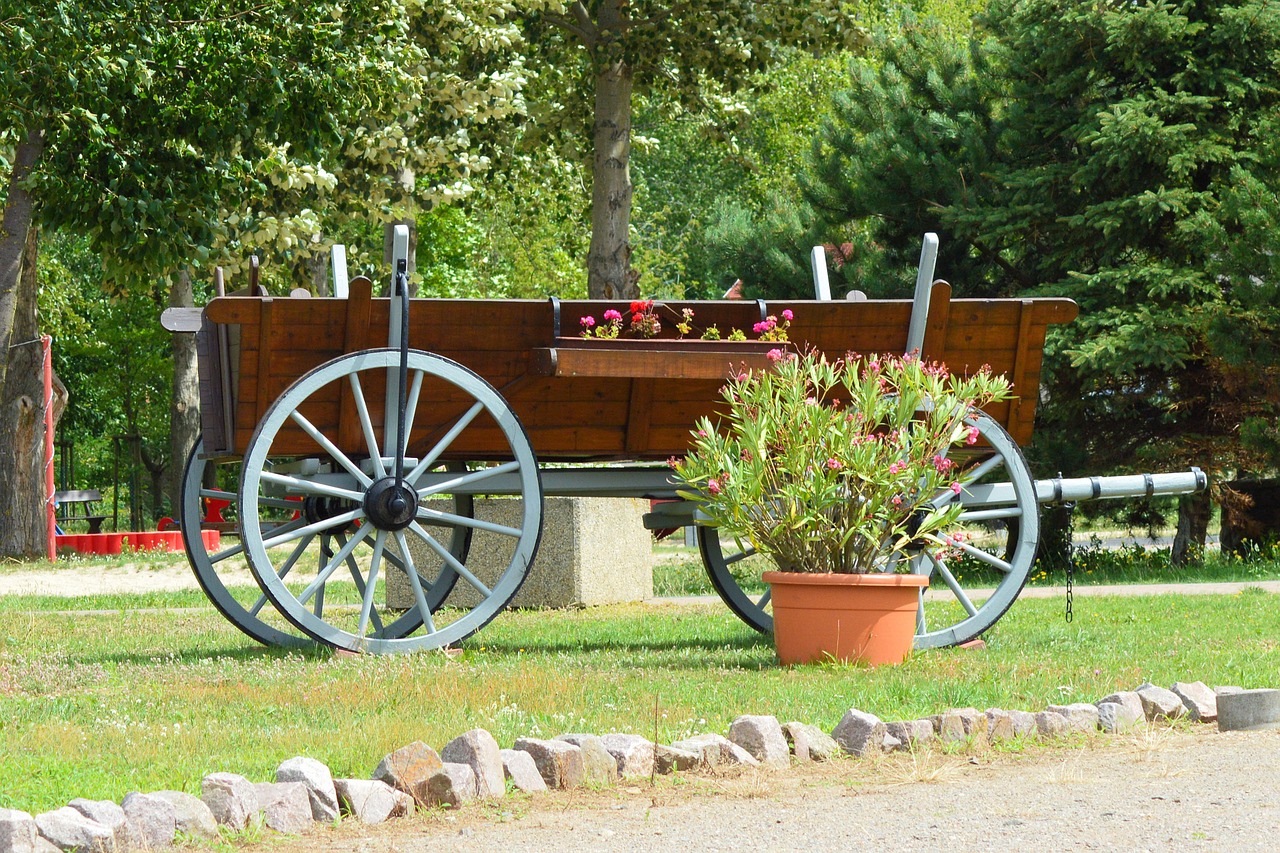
(1069, 490)
(1058, 490)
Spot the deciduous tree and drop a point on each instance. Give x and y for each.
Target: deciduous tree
(595, 57)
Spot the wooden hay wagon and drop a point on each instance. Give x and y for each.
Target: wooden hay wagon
(305, 401)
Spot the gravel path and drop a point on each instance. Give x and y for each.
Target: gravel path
(142, 577)
(1161, 790)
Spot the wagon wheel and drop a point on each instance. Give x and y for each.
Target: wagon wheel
(1001, 527)
(723, 558)
(362, 508)
(213, 480)
(999, 499)
(244, 606)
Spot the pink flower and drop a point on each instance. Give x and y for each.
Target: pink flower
(897, 500)
(713, 486)
(787, 315)
(834, 464)
(955, 488)
(972, 436)
(611, 315)
(774, 355)
(587, 322)
(897, 467)
(761, 327)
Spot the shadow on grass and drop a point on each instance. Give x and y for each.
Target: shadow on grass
(247, 653)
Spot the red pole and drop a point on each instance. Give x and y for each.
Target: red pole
(46, 343)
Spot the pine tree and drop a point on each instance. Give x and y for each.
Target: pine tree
(1122, 154)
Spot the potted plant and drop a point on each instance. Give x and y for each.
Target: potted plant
(831, 467)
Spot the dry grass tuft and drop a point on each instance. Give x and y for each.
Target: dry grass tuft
(921, 765)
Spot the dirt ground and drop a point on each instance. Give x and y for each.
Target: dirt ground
(87, 579)
(1158, 790)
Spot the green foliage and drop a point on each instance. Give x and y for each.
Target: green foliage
(747, 217)
(192, 133)
(836, 466)
(909, 139)
(114, 359)
(535, 228)
(1119, 154)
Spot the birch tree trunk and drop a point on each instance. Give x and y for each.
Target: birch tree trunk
(609, 273)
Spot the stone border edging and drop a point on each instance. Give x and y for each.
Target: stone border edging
(472, 767)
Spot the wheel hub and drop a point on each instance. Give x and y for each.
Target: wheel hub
(391, 505)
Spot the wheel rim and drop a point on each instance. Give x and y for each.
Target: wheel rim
(337, 491)
(1000, 525)
(723, 560)
(242, 608)
(1002, 493)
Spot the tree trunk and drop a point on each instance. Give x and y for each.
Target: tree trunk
(609, 273)
(184, 411)
(318, 272)
(18, 213)
(1193, 527)
(1054, 548)
(23, 520)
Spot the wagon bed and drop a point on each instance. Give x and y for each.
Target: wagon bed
(582, 401)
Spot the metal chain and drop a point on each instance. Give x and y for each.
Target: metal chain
(1071, 560)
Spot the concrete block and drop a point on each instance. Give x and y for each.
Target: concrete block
(593, 551)
(1249, 710)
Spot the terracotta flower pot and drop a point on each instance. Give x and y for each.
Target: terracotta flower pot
(869, 618)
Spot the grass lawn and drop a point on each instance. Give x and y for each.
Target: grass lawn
(679, 569)
(97, 705)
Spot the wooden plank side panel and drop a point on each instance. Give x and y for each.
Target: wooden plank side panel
(212, 386)
(587, 417)
(639, 414)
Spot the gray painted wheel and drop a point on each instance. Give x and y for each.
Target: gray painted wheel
(1000, 521)
(342, 491)
(242, 606)
(1001, 526)
(724, 560)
